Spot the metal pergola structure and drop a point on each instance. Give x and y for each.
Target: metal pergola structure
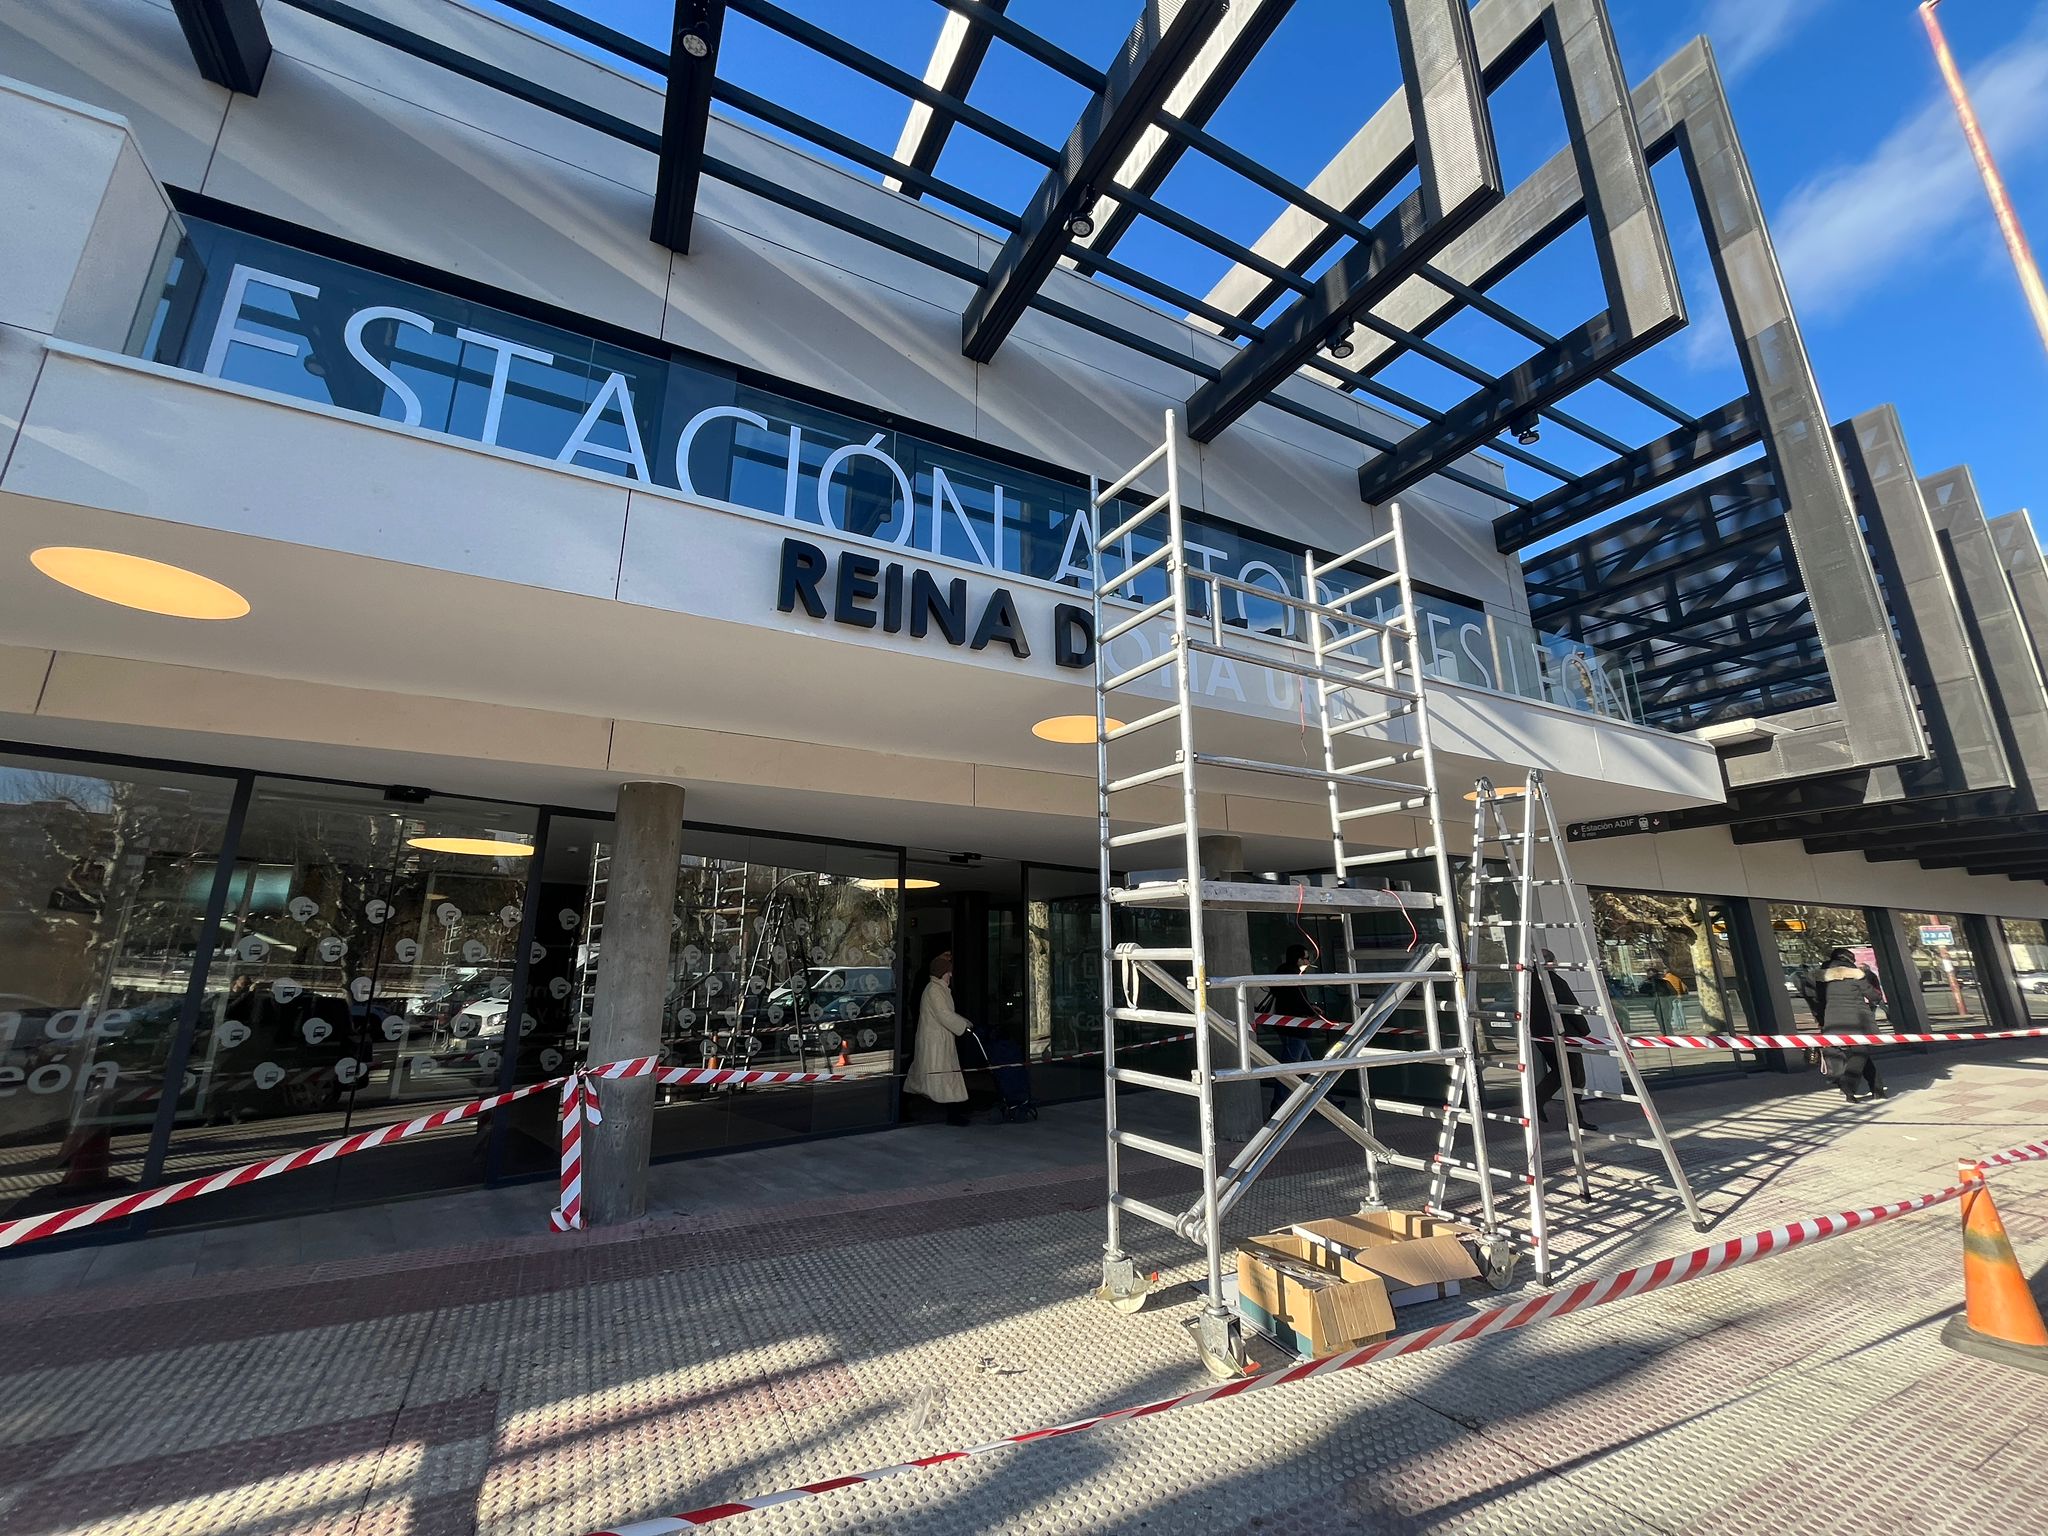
(1342, 285)
(1796, 590)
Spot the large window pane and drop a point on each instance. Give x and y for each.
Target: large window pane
(1806, 933)
(783, 953)
(2027, 938)
(1944, 968)
(104, 879)
(1669, 970)
(364, 974)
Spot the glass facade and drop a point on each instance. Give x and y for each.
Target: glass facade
(105, 876)
(200, 969)
(1805, 934)
(1669, 968)
(1945, 969)
(363, 972)
(783, 956)
(2027, 938)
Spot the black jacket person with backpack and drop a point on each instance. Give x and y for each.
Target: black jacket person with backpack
(1844, 999)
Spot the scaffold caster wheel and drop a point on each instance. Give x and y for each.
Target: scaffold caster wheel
(1219, 1340)
(1498, 1258)
(1124, 1287)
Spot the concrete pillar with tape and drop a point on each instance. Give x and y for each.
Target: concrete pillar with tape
(632, 988)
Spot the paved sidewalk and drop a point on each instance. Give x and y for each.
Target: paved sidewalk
(810, 1310)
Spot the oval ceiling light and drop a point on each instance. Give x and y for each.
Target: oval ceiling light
(133, 582)
(480, 847)
(890, 885)
(1071, 730)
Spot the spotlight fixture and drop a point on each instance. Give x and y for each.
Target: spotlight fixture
(1081, 223)
(1339, 345)
(695, 46)
(1527, 431)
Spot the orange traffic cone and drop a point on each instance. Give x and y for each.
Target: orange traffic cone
(2001, 1320)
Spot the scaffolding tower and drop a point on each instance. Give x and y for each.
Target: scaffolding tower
(1356, 661)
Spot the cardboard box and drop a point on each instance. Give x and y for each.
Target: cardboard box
(1417, 1257)
(1307, 1298)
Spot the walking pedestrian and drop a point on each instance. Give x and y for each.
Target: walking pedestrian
(935, 1073)
(1554, 1009)
(1844, 999)
(1292, 1045)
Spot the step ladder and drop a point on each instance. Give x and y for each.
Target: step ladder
(592, 940)
(1527, 927)
(1350, 645)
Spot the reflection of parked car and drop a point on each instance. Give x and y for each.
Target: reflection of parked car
(2033, 981)
(828, 984)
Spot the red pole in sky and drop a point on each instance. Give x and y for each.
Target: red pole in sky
(1994, 186)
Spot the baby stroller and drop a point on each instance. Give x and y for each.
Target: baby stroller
(1012, 1078)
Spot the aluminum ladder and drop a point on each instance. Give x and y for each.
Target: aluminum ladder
(1542, 936)
(1364, 664)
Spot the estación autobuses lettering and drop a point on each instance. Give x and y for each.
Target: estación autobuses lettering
(259, 312)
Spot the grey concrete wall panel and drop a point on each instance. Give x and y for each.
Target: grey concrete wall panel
(2019, 551)
(1460, 178)
(1644, 302)
(2013, 676)
(1934, 641)
(1159, 49)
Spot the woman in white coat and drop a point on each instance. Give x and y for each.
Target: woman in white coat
(935, 1074)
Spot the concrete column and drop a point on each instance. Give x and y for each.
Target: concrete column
(1228, 938)
(632, 988)
(2005, 1006)
(1762, 976)
(1905, 1004)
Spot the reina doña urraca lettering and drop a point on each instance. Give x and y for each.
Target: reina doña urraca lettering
(914, 601)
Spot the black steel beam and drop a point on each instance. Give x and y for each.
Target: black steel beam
(1821, 808)
(1158, 49)
(1606, 160)
(1460, 180)
(1550, 375)
(685, 115)
(228, 41)
(1735, 426)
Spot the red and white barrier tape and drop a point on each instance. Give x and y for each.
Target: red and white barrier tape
(1814, 1042)
(1713, 1259)
(579, 1109)
(29, 1229)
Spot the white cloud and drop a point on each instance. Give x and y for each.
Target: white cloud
(1746, 32)
(1847, 231)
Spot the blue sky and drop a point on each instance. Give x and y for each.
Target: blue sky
(1897, 271)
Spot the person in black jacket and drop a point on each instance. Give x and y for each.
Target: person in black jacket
(1553, 1003)
(1844, 998)
(1293, 1002)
